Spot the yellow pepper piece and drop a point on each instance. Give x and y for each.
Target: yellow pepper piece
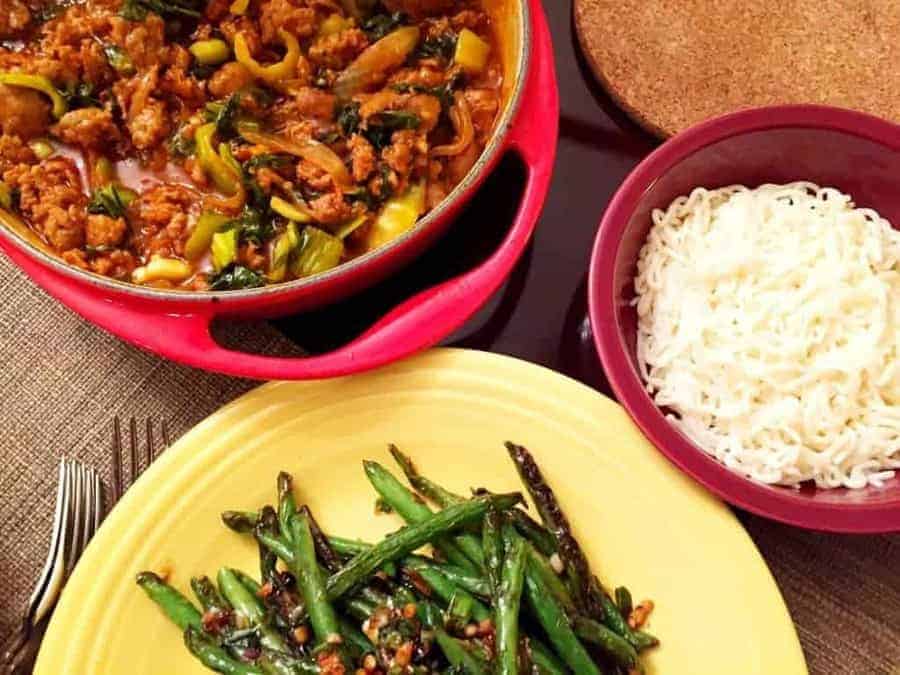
(226, 154)
(398, 216)
(222, 174)
(41, 148)
(290, 211)
(5, 196)
(334, 24)
(284, 246)
(38, 83)
(275, 72)
(201, 237)
(104, 172)
(162, 269)
(239, 7)
(224, 248)
(350, 227)
(210, 52)
(317, 252)
(471, 52)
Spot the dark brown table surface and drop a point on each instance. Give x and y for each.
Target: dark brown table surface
(541, 316)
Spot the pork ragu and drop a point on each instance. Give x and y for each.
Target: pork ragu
(228, 144)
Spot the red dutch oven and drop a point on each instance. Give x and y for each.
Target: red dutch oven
(176, 324)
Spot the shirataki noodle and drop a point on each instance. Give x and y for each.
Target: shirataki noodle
(768, 327)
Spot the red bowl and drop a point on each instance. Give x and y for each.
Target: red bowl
(856, 153)
(176, 324)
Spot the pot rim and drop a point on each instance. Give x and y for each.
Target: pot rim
(459, 195)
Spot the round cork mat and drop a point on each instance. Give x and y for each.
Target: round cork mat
(672, 63)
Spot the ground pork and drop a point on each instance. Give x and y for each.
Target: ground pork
(298, 131)
(161, 216)
(87, 128)
(244, 25)
(399, 155)
(287, 15)
(104, 231)
(184, 89)
(145, 42)
(23, 112)
(330, 209)
(52, 200)
(118, 264)
(338, 50)
(469, 18)
(149, 125)
(14, 18)
(216, 10)
(228, 79)
(317, 179)
(362, 157)
(427, 108)
(266, 178)
(145, 116)
(14, 151)
(307, 102)
(72, 46)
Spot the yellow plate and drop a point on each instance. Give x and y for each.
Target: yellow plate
(643, 524)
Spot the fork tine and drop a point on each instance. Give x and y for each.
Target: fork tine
(117, 460)
(87, 505)
(149, 447)
(98, 501)
(43, 599)
(89, 509)
(77, 525)
(133, 440)
(165, 434)
(56, 539)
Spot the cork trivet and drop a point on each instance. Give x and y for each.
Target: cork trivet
(672, 63)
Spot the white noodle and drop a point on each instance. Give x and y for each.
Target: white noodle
(768, 325)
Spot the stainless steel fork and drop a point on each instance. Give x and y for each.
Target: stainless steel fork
(120, 482)
(79, 510)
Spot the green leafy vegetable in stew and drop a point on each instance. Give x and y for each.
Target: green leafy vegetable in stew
(379, 25)
(235, 278)
(137, 10)
(111, 200)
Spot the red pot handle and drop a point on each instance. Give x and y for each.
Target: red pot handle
(416, 324)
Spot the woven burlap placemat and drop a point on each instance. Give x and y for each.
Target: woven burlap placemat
(62, 381)
(672, 63)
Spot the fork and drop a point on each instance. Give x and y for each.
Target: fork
(79, 510)
(118, 453)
